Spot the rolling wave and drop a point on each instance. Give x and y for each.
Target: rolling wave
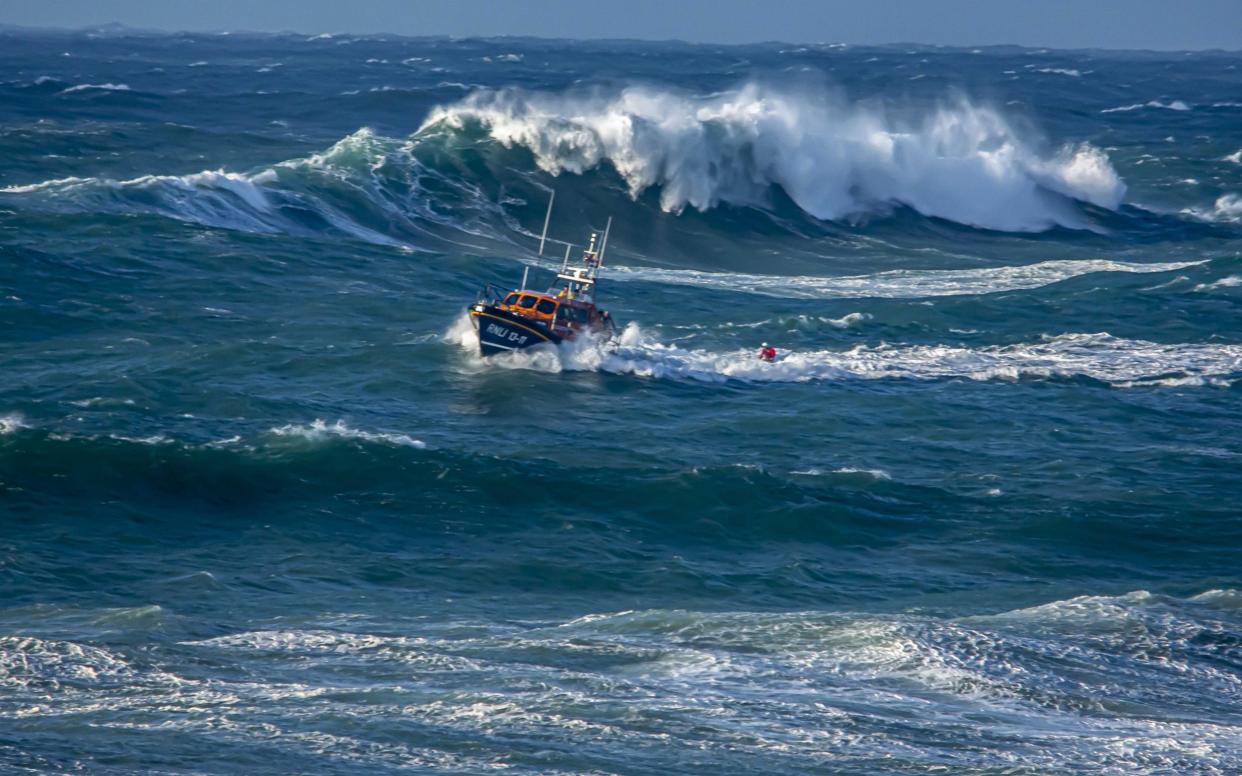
(836, 160)
(365, 187)
(439, 489)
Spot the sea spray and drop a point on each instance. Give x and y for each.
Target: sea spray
(962, 162)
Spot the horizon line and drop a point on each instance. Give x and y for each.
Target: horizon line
(157, 31)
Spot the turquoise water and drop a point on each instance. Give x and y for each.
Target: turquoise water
(265, 510)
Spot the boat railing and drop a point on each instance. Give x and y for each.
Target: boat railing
(490, 293)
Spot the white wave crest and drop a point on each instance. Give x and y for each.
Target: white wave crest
(963, 162)
(1227, 208)
(1230, 281)
(794, 322)
(109, 87)
(895, 284)
(11, 422)
(1177, 105)
(847, 320)
(1123, 363)
(877, 474)
(319, 430)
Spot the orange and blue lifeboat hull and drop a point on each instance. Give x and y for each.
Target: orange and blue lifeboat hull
(501, 331)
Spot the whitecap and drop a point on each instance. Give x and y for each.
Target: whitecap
(319, 430)
(96, 401)
(876, 474)
(1230, 281)
(1227, 208)
(847, 320)
(1176, 105)
(798, 321)
(108, 87)
(153, 439)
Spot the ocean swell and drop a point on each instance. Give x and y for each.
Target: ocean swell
(836, 160)
(895, 284)
(365, 186)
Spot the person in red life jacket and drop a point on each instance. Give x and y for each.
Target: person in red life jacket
(767, 352)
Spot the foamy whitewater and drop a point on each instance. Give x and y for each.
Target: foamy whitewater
(835, 160)
(266, 509)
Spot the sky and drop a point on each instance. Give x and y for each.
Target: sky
(1144, 24)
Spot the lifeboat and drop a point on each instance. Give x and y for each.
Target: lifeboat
(522, 318)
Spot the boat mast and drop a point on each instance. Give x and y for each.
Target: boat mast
(546, 220)
(603, 246)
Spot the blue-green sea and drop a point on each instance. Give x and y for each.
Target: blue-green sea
(265, 510)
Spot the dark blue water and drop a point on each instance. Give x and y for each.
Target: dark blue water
(264, 510)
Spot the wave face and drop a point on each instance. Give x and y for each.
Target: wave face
(365, 187)
(962, 162)
(265, 509)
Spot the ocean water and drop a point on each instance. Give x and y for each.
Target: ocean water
(264, 510)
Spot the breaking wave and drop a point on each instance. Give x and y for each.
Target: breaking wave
(458, 183)
(1230, 281)
(1227, 209)
(836, 160)
(11, 422)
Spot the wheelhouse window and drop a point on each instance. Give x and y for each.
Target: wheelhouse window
(546, 306)
(511, 299)
(528, 302)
